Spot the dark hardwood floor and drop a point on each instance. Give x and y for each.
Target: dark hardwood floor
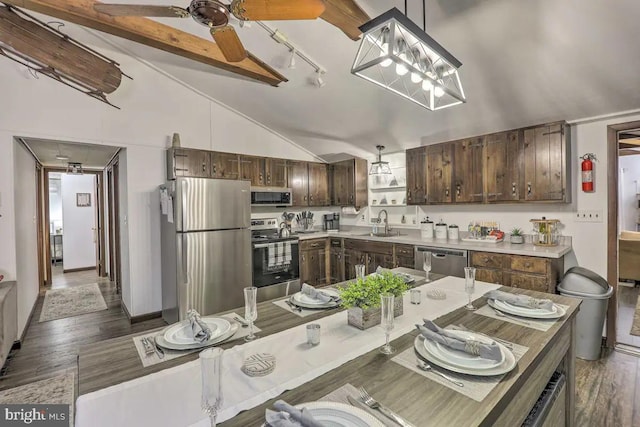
(608, 390)
(51, 348)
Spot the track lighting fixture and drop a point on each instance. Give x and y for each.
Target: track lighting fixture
(319, 81)
(292, 59)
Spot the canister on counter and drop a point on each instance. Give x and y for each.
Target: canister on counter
(441, 230)
(454, 232)
(426, 228)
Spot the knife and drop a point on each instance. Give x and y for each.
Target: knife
(399, 420)
(156, 347)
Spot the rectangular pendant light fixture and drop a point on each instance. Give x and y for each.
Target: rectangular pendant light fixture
(398, 55)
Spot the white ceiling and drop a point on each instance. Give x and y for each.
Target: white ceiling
(91, 156)
(524, 63)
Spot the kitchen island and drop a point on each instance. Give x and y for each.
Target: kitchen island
(420, 400)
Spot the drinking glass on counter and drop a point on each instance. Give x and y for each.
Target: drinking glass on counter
(211, 369)
(426, 264)
(387, 320)
(250, 309)
(360, 271)
(469, 285)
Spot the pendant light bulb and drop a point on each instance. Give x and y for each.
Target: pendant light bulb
(438, 92)
(427, 85)
(401, 68)
(384, 48)
(415, 76)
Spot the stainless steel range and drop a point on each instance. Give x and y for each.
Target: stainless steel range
(276, 270)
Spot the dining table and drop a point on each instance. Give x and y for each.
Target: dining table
(114, 388)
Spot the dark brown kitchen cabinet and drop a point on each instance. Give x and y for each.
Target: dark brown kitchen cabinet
(298, 181)
(318, 184)
(275, 172)
(252, 169)
(225, 165)
(370, 253)
(439, 173)
(404, 256)
(349, 183)
(502, 166)
(313, 262)
(546, 163)
(336, 261)
(352, 257)
(416, 176)
(467, 171)
(188, 162)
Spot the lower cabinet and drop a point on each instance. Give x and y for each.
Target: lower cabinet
(336, 261)
(518, 271)
(404, 256)
(370, 253)
(313, 262)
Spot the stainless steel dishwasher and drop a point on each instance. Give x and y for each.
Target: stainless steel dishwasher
(450, 262)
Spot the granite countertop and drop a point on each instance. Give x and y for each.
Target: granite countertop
(505, 247)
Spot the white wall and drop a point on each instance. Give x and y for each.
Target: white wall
(628, 184)
(78, 244)
(153, 107)
(26, 247)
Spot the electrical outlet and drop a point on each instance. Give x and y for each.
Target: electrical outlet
(589, 216)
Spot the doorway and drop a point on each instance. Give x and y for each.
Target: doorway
(628, 238)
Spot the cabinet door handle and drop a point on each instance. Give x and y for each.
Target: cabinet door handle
(304, 198)
(302, 257)
(446, 192)
(527, 265)
(528, 188)
(214, 169)
(485, 259)
(311, 198)
(261, 177)
(408, 194)
(458, 190)
(513, 188)
(204, 167)
(269, 178)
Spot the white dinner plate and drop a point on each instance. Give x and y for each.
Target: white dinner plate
(180, 333)
(334, 414)
(462, 359)
(525, 310)
(560, 312)
(306, 299)
(196, 345)
(506, 366)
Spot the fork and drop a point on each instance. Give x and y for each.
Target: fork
(373, 404)
(148, 349)
(517, 319)
(293, 307)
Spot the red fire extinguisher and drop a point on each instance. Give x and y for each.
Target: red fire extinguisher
(587, 172)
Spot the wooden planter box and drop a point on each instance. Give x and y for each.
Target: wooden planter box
(364, 319)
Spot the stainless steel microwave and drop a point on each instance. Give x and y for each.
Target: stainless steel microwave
(271, 196)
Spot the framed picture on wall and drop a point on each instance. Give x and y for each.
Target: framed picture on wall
(83, 199)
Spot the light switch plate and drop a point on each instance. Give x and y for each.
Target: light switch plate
(589, 216)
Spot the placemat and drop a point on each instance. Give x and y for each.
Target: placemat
(538, 324)
(476, 388)
(153, 359)
(340, 396)
(302, 313)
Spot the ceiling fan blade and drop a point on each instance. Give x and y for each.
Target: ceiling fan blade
(229, 43)
(276, 10)
(141, 10)
(346, 15)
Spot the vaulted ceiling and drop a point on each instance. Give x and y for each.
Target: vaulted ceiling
(524, 62)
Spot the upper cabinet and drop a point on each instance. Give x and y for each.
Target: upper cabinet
(439, 173)
(188, 162)
(252, 169)
(298, 180)
(502, 166)
(521, 165)
(546, 163)
(225, 165)
(467, 171)
(348, 181)
(319, 184)
(275, 172)
(417, 176)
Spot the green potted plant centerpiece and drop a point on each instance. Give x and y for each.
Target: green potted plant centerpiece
(362, 298)
(516, 235)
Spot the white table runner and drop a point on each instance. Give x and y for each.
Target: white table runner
(172, 397)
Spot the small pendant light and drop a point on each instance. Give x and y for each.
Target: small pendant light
(379, 167)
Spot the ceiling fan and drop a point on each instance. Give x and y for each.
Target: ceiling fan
(215, 15)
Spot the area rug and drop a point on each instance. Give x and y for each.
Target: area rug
(67, 302)
(52, 391)
(635, 325)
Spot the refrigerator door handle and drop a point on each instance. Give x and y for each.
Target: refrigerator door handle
(184, 185)
(185, 272)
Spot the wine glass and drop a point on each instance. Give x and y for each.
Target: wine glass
(387, 320)
(211, 366)
(250, 309)
(469, 285)
(360, 271)
(426, 265)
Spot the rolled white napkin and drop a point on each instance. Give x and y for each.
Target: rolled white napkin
(289, 416)
(201, 332)
(312, 292)
(520, 300)
(435, 333)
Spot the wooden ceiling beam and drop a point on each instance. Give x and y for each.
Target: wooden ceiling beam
(151, 33)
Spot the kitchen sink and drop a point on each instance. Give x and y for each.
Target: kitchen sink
(393, 234)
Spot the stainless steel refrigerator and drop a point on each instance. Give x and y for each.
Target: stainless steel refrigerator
(206, 245)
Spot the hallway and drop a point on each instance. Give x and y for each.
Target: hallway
(66, 280)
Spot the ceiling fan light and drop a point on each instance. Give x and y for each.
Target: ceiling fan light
(426, 62)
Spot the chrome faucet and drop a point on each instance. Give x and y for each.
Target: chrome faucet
(386, 220)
